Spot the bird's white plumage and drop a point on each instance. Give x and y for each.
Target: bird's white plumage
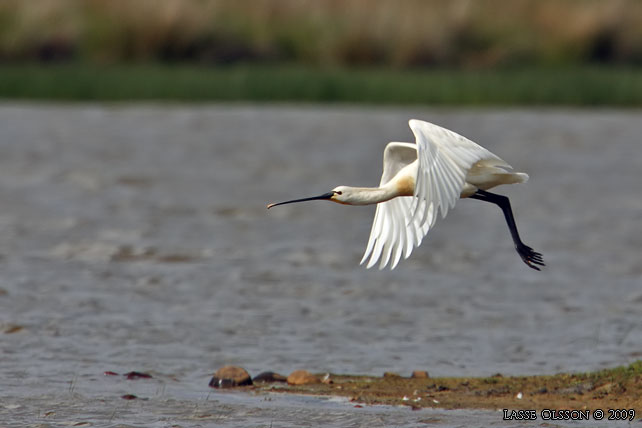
(440, 161)
(444, 158)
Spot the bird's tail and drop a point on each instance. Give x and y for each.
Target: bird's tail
(518, 177)
(489, 173)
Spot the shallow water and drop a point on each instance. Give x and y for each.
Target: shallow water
(136, 238)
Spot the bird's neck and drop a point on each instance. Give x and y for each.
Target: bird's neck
(371, 195)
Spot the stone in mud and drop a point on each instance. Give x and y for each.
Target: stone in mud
(269, 377)
(229, 377)
(302, 377)
(419, 374)
(391, 375)
(137, 375)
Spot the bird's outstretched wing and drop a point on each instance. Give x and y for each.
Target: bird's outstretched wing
(444, 158)
(393, 231)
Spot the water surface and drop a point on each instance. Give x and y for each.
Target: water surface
(136, 238)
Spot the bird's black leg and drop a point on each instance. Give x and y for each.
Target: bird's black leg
(528, 255)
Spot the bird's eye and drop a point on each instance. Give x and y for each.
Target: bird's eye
(338, 192)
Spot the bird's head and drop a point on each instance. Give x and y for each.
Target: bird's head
(340, 195)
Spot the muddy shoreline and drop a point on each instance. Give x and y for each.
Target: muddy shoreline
(618, 388)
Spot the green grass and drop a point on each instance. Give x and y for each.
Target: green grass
(586, 86)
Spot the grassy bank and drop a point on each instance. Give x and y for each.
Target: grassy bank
(617, 388)
(585, 86)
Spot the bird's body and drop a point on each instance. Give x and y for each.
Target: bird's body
(421, 180)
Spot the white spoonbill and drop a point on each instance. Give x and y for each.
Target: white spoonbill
(424, 179)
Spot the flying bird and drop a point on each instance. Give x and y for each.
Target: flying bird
(421, 180)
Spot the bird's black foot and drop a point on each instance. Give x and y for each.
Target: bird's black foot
(531, 257)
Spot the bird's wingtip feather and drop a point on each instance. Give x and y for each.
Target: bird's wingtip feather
(413, 123)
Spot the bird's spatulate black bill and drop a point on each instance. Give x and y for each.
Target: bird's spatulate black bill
(313, 198)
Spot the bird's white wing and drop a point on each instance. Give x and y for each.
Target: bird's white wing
(394, 232)
(395, 157)
(444, 160)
